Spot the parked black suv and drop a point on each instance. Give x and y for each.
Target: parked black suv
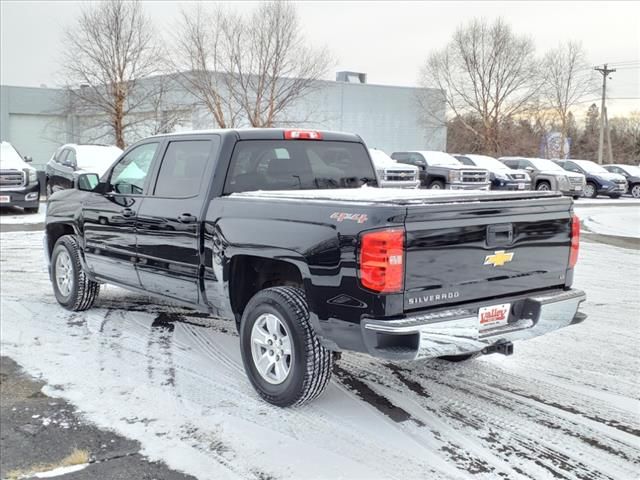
(631, 173)
(599, 180)
(71, 160)
(440, 170)
(281, 231)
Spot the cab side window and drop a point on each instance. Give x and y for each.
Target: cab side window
(129, 174)
(182, 169)
(71, 161)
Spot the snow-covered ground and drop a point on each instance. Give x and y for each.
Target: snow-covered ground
(564, 406)
(15, 215)
(608, 220)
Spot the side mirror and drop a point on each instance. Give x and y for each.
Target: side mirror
(529, 169)
(87, 182)
(28, 159)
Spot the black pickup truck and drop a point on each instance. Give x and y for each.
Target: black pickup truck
(285, 232)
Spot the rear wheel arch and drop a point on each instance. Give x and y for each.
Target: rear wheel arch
(249, 274)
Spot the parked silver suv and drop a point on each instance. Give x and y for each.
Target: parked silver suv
(546, 175)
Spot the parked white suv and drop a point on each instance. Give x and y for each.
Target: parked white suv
(19, 186)
(392, 174)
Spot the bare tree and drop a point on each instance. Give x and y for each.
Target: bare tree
(568, 79)
(108, 52)
(486, 72)
(254, 66)
(202, 60)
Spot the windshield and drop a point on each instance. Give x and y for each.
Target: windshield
(380, 158)
(9, 157)
(631, 170)
(440, 158)
(489, 163)
(589, 166)
(298, 165)
(543, 164)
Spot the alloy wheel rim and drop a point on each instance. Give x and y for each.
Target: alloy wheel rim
(271, 348)
(435, 186)
(589, 190)
(64, 273)
(635, 191)
(543, 187)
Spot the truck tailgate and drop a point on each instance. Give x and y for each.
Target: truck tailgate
(480, 250)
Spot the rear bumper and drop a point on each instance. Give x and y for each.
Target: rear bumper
(456, 331)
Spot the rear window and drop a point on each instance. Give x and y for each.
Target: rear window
(298, 165)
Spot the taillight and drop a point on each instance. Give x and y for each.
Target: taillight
(302, 135)
(575, 241)
(381, 260)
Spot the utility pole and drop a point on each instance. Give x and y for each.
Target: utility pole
(605, 72)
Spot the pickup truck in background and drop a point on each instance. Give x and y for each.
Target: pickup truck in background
(284, 233)
(501, 176)
(19, 185)
(547, 176)
(392, 174)
(439, 170)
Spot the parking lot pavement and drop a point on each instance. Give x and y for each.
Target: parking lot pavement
(565, 405)
(42, 434)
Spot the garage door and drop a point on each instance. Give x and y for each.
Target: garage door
(36, 136)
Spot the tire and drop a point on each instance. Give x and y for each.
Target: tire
(32, 210)
(577, 197)
(590, 190)
(437, 185)
(309, 363)
(635, 190)
(459, 358)
(78, 292)
(543, 186)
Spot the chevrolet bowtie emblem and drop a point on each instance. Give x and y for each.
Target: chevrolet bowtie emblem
(499, 258)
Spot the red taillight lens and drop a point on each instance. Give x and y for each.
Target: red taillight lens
(382, 260)
(302, 135)
(575, 241)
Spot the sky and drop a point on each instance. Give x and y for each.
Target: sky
(387, 40)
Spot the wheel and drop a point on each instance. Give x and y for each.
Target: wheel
(590, 190)
(635, 190)
(543, 186)
(282, 356)
(437, 185)
(32, 210)
(72, 288)
(459, 358)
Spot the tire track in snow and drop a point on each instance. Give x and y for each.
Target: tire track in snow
(468, 413)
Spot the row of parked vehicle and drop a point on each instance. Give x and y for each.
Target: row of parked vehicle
(439, 170)
(19, 185)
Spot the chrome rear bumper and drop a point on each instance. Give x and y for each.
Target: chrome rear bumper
(457, 331)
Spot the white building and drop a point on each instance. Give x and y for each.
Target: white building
(37, 120)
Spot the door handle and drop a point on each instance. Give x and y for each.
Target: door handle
(186, 218)
(127, 212)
